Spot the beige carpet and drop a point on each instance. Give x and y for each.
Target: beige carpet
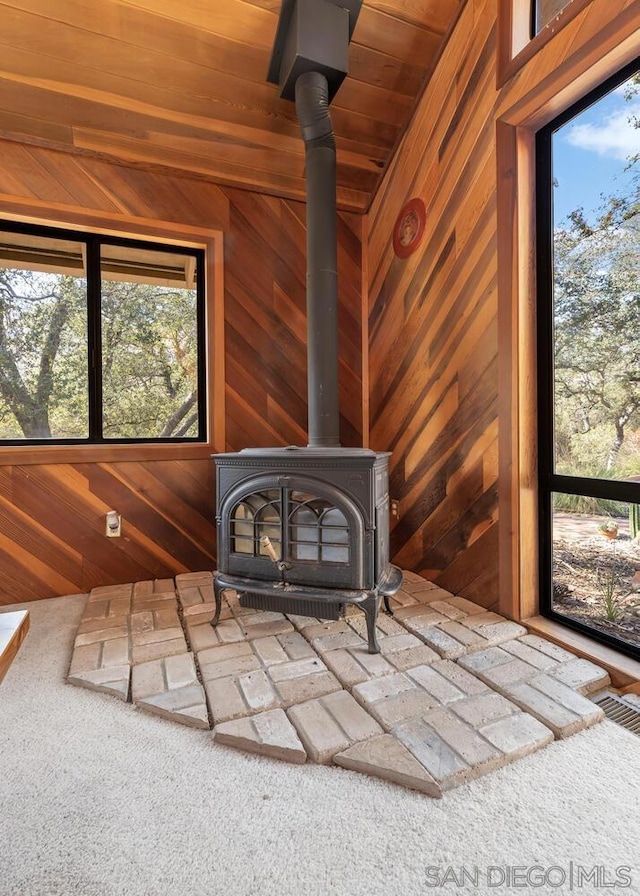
(98, 799)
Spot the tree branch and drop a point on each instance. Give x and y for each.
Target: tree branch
(178, 415)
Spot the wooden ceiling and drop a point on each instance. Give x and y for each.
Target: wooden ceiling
(181, 84)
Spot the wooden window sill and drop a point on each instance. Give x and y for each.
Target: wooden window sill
(15, 455)
(624, 671)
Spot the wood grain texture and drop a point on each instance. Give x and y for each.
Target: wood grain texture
(450, 377)
(52, 539)
(52, 513)
(182, 85)
(433, 331)
(443, 353)
(13, 630)
(590, 43)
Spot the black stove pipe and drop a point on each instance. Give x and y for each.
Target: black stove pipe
(312, 106)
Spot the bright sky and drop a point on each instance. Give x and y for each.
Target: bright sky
(590, 154)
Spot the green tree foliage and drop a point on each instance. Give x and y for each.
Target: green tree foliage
(149, 361)
(597, 316)
(40, 319)
(149, 364)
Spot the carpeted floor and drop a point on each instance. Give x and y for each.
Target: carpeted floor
(98, 799)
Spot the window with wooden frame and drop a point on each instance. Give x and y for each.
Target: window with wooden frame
(102, 339)
(525, 26)
(588, 245)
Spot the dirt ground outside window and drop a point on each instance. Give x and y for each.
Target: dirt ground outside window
(596, 580)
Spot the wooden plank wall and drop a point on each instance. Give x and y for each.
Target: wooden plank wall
(433, 318)
(52, 514)
(432, 332)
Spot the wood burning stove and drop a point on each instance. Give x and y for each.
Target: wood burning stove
(306, 530)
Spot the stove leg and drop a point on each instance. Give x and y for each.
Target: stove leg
(217, 591)
(370, 607)
(387, 605)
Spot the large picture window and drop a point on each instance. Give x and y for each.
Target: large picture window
(588, 206)
(101, 339)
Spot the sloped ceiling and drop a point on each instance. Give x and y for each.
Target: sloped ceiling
(181, 84)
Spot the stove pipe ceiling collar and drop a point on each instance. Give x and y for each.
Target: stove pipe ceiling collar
(312, 36)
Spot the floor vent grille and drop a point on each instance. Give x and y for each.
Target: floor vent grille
(619, 710)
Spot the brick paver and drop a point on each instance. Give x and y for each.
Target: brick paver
(203, 636)
(336, 636)
(196, 595)
(393, 698)
(331, 724)
(579, 674)
(157, 632)
(110, 592)
(445, 764)
(455, 638)
(283, 648)
(268, 733)
(355, 665)
(463, 680)
(227, 660)
(582, 675)
(498, 667)
(276, 671)
(454, 627)
(92, 667)
(419, 616)
(153, 595)
(350, 658)
(110, 629)
(169, 687)
(242, 694)
(521, 660)
(386, 625)
(406, 651)
(101, 656)
(517, 735)
(440, 687)
(536, 658)
(555, 704)
(547, 647)
(302, 680)
(454, 749)
(225, 700)
(484, 708)
(258, 623)
(456, 691)
(193, 579)
(385, 757)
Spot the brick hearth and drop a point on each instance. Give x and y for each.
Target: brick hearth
(455, 692)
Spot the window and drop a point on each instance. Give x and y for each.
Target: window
(588, 204)
(525, 26)
(101, 339)
(544, 11)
